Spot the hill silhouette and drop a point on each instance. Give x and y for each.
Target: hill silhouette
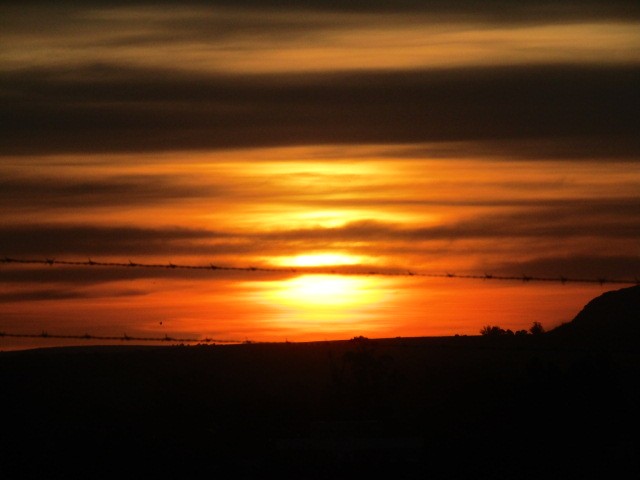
(612, 318)
(525, 407)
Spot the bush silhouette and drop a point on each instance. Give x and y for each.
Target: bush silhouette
(493, 331)
(536, 329)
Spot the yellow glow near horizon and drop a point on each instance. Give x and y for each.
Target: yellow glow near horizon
(319, 260)
(313, 292)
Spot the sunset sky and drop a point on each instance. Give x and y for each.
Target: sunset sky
(403, 136)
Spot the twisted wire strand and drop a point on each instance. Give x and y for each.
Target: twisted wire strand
(323, 270)
(124, 337)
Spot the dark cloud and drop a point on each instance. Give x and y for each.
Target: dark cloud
(529, 11)
(367, 196)
(37, 295)
(48, 193)
(621, 267)
(52, 240)
(105, 108)
(536, 236)
(598, 147)
(42, 241)
(606, 220)
(589, 219)
(77, 275)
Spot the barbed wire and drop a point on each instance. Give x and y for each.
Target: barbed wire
(335, 270)
(124, 337)
(322, 270)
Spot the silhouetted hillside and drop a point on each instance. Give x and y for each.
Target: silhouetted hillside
(611, 318)
(457, 407)
(481, 407)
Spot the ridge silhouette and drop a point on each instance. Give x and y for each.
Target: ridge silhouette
(526, 407)
(613, 317)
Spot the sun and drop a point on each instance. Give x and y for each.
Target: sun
(324, 292)
(319, 260)
(335, 304)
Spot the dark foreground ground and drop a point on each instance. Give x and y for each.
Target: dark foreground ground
(458, 407)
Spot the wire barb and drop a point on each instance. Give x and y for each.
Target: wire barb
(321, 270)
(124, 337)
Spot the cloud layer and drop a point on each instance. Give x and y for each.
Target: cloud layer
(106, 109)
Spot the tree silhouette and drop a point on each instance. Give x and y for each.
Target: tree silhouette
(492, 331)
(536, 329)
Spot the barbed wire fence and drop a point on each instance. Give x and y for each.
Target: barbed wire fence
(123, 338)
(344, 271)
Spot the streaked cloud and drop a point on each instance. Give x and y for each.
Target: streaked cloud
(592, 220)
(53, 294)
(580, 266)
(105, 109)
(319, 36)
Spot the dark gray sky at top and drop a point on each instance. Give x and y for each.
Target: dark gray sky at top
(567, 111)
(578, 110)
(492, 10)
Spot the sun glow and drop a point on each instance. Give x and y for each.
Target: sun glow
(313, 292)
(319, 260)
(326, 305)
